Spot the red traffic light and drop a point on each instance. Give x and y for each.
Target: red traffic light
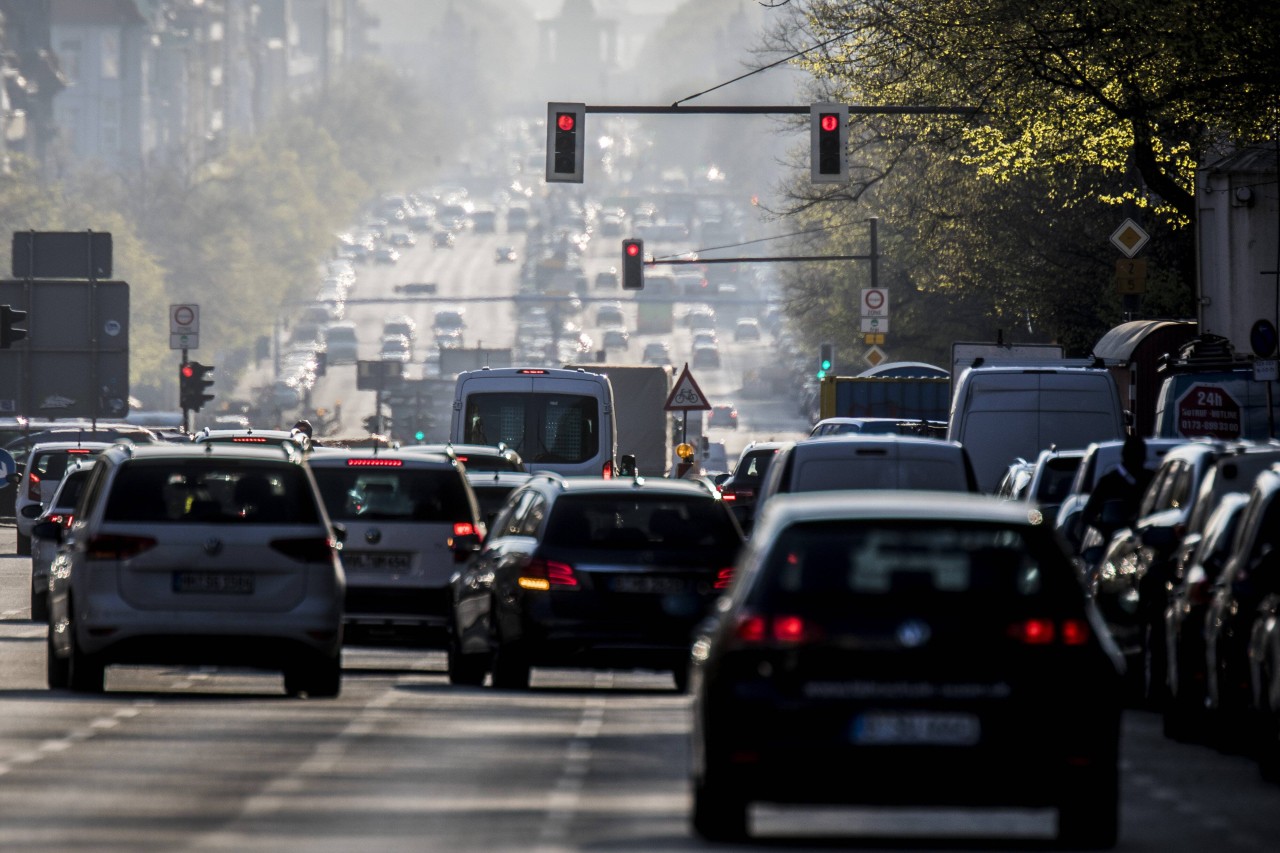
(830, 122)
(188, 371)
(632, 249)
(565, 121)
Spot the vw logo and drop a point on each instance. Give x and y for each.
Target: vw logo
(373, 536)
(913, 633)
(213, 547)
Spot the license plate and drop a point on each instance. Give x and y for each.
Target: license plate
(213, 583)
(926, 728)
(374, 561)
(653, 585)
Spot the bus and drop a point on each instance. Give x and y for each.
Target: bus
(557, 420)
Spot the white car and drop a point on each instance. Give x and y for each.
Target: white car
(61, 510)
(395, 348)
(45, 465)
(411, 519)
(212, 554)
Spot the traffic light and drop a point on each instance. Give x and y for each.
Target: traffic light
(828, 143)
(826, 359)
(192, 382)
(372, 424)
(633, 265)
(9, 331)
(566, 138)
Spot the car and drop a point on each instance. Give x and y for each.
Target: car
(402, 239)
(941, 644)
(443, 239)
(1016, 480)
(476, 457)
(591, 572)
(1051, 477)
(385, 255)
(395, 348)
(410, 519)
(876, 426)
(723, 415)
(61, 510)
(401, 324)
(610, 314)
(740, 487)
(746, 329)
(504, 255)
(615, 338)
(493, 488)
(44, 467)
(448, 320)
(707, 357)
(218, 554)
(607, 280)
(295, 439)
(656, 352)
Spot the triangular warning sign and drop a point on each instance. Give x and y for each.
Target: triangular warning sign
(686, 396)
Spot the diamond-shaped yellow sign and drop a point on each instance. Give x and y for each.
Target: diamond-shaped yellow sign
(874, 356)
(1129, 238)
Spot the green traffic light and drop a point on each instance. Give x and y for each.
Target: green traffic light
(826, 365)
(419, 435)
(822, 374)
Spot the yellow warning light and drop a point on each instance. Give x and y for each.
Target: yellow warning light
(684, 451)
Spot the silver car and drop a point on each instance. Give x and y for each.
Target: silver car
(39, 479)
(62, 511)
(213, 554)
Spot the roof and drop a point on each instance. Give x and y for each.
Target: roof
(1249, 161)
(1118, 344)
(326, 457)
(218, 450)
(785, 509)
(660, 485)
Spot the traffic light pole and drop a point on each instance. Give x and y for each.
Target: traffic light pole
(186, 413)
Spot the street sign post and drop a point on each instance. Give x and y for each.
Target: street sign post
(184, 326)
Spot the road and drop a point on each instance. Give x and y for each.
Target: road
(221, 760)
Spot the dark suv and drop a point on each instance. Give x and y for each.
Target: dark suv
(743, 485)
(594, 573)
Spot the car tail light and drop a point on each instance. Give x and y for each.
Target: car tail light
(547, 574)
(729, 496)
(365, 462)
(307, 549)
(1045, 632)
(724, 577)
(64, 520)
(786, 629)
(109, 546)
(33, 488)
(248, 439)
(606, 470)
(463, 528)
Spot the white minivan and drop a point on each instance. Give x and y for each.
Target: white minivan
(1003, 412)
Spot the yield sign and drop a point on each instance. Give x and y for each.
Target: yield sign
(686, 396)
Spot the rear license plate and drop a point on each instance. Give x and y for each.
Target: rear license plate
(651, 584)
(926, 728)
(214, 583)
(373, 561)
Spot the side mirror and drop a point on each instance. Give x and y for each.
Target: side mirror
(627, 466)
(49, 530)
(32, 511)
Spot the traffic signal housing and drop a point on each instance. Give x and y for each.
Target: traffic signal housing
(193, 379)
(828, 143)
(9, 331)
(566, 141)
(826, 360)
(632, 264)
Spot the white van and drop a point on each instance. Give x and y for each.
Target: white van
(1004, 412)
(557, 420)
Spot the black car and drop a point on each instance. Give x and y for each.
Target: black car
(906, 649)
(592, 573)
(743, 485)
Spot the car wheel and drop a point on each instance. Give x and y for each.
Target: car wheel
(718, 813)
(40, 605)
(510, 668)
(58, 669)
(24, 545)
(319, 678)
(1089, 819)
(465, 670)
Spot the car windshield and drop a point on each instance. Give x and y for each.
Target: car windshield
(391, 494)
(218, 491)
(539, 427)
(663, 523)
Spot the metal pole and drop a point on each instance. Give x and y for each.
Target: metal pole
(875, 251)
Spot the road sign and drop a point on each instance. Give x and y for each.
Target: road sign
(875, 325)
(874, 355)
(1131, 276)
(1265, 370)
(1129, 238)
(686, 396)
(1208, 410)
(61, 254)
(875, 302)
(184, 319)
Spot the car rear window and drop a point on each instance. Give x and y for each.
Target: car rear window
(980, 564)
(650, 522)
(215, 491)
(393, 494)
(880, 472)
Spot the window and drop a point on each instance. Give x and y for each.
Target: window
(659, 523)
(539, 427)
(214, 491)
(401, 494)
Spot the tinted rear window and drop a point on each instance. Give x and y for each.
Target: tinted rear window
(650, 522)
(880, 472)
(393, 494)
(218, 491)
(983, 564)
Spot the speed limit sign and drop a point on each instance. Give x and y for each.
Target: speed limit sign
(875, 302)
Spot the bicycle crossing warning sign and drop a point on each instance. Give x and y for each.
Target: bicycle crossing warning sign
(686, 396)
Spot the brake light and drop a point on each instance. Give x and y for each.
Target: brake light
(64, 520)
(374, 463)
(307, 549)
(464, 528)
(249, 439)
(1044, 632)
(533, 372)
(462, 458)
(80, 451)
(542, 575)
(110, 546)
(724, 577)
(787, 630)
(606, 470)
(33, 488)
(728, 496)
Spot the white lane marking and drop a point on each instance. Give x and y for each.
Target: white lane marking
(75, 736)
(566, 797)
